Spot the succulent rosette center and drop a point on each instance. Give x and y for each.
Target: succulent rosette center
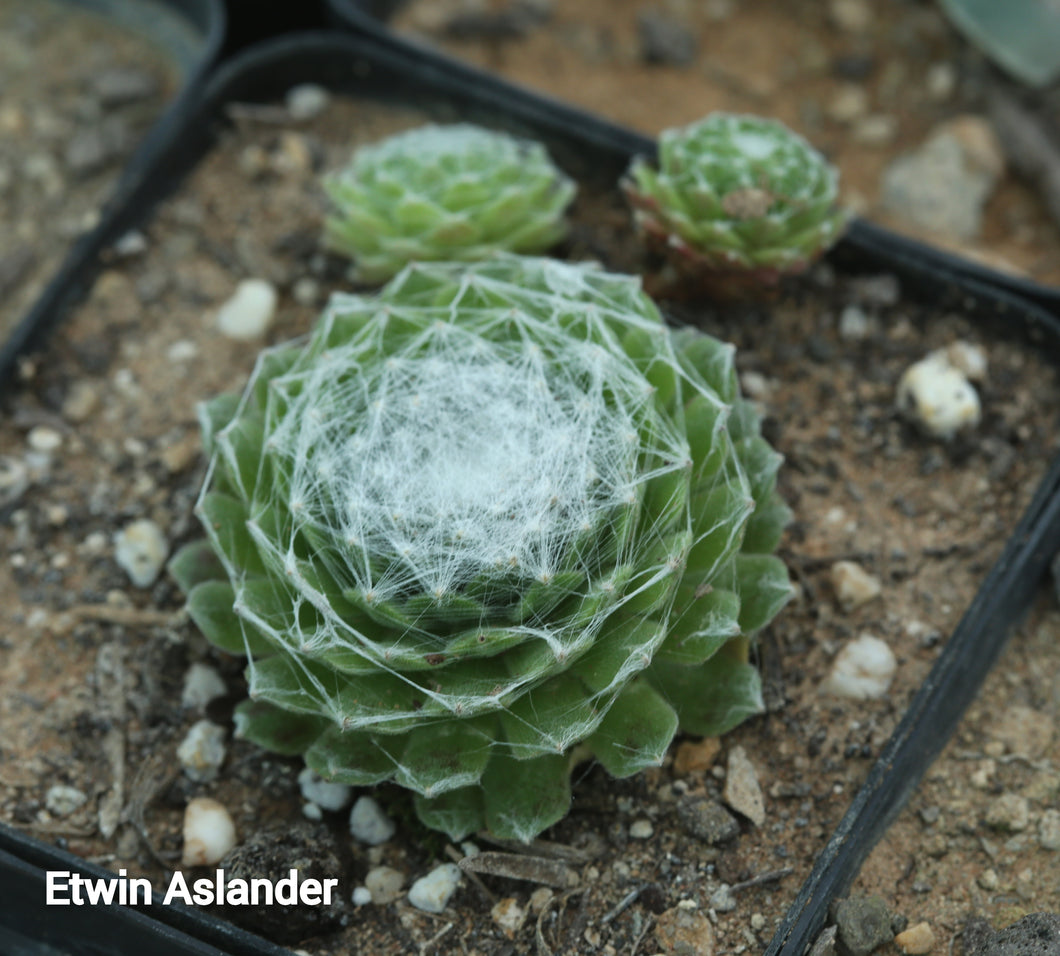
(491, 514)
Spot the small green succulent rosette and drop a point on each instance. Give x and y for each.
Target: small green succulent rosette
(435, 193)
(488, 516)
(737, 194)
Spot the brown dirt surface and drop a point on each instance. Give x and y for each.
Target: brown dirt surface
(901, 63)
(91, 667)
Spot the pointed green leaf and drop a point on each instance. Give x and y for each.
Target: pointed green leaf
(710, 699)
(194, 563)
(764, 586)
(458, 813)
(636, 731)
(277, 730)
(349, 757)
(524, 797)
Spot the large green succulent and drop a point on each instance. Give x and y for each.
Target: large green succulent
(436, 193)
(489, 515)
(737, 193)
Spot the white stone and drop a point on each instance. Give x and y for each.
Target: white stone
(966, 357)
(62, 800)
(384, 883)
(369, 824)
(938, 398)
(202, 751)
(307, 101)
(182, 351)
(431, 893)
(854, 324)
(312, 812)
(209, 833)
(509, 916)
(140, 549)
(853, 585)
(201, 685)
(863, 670)
(722, 899)
(324, 793)
(641, 829)
(361, 896)
(44, 439)
(248, 313)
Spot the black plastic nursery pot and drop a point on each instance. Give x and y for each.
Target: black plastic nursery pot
(187, 33)
(370, 17)
(594, 151)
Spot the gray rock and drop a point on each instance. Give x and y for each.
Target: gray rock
(943, 185)
(1035, 935)
(664, 39)
(862, 924)
(93, 148)
(119, 85)
(707, 820)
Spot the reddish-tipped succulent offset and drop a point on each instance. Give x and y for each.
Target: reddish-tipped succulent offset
(737, 196)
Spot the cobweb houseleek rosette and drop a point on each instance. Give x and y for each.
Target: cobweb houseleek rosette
(458, 192)
(739, 197)
(489, 515)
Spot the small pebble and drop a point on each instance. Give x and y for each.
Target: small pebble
(1009, 813)
(324, 793)
(312, 812)
(44, 440)
(431, 893)
(685, 930)
(182, 350)
(988, 879)
(862, 670)
(862, 923)
(369, 824)
(201, 685)
(140, 549)
(81, 401)
(941, 81)
(306, 291)
(384, 883)
(938, 398)
(854, 324)
(966, 357)
(851, 16)
(1049, 830)
(853, 585)
(509, 916)
(742, 790)
(62, 800)
(850, 103)
(723, 899)
(202, 751)
(916, 940)
(132, 243)
(707, 820)
(361, 896)
(696, 756)
(307, 101)
(209, 833)
(248, 313)
(641, 829)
